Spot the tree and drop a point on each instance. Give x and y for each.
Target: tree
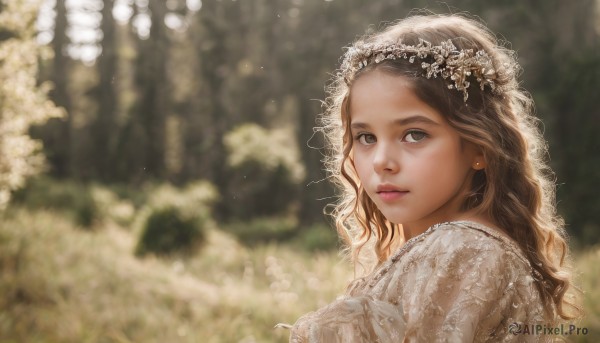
(143, 138)
(213, 55)
(57, 132)
(22, 102)
(104, 127)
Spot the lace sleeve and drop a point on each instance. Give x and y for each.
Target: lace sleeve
(466, 288)
(454, 286)
(351, 319)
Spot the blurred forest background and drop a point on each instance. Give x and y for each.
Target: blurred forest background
(160, 179)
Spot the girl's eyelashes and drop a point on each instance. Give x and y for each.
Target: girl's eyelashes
(365, 138)
(411, 136)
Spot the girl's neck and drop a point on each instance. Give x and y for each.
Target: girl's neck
(410, 230)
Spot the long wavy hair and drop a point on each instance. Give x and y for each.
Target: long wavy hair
(516, 189)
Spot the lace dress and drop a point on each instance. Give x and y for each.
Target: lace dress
(456, 282)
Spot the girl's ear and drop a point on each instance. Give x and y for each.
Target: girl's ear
(479, 163)
(478, 155)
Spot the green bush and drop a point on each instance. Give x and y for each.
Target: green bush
(111, 205)
(317, 238)
(175, 220)
(196, 195)
(85, 212)
(263, 230)
(168, 230)
(263, 172)
(71, 198)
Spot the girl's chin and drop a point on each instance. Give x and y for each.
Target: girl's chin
(394, 218)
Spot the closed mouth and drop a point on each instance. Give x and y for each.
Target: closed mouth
(389, 189)
(390, 193)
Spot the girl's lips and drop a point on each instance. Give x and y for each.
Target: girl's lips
(391, 195)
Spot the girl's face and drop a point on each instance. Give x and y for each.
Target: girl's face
(410, 161)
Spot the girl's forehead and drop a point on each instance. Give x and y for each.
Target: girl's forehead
(382, 96)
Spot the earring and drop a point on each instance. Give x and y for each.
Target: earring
(478, 166)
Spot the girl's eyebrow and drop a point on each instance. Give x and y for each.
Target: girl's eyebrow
(399, 122)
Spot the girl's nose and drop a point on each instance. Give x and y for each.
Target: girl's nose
(385, 160)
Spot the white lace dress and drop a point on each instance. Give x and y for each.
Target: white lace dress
(456, 282)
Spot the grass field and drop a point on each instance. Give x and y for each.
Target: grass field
(60, 283)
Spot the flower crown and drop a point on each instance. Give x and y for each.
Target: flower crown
(448, 61)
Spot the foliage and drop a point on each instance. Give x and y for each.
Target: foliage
(195, 195)
(263, 164)
(317, 238)
(94, 205)
(22, 101)
(72, 199)
(586, 267)
(112, 206)
(264, 230)
(271, 149)
(60, 284)
(85, 204)
(156, 104)
(576, 139)
(168, 230)
(175, 220)
(261, 230)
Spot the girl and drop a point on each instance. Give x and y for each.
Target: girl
(443, 176)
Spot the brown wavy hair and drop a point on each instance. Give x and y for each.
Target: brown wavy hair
(516, 189)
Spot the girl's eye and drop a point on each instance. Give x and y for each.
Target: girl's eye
(366, 139)
(414, 136)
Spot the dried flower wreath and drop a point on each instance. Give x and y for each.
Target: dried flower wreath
(446, 61)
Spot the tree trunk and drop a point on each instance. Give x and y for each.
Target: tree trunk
(213, 70)
(57, 134)
(147, 128)
(104, 126)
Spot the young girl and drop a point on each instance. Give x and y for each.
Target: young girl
(443, 177)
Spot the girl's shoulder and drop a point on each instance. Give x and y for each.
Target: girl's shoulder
(454, 254)
(466, 230)
(454, 257)
(465, 240)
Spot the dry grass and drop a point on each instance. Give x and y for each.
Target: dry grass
(63, 284)
(587, 265)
